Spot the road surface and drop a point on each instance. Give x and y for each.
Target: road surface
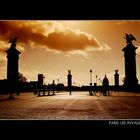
(78, 106)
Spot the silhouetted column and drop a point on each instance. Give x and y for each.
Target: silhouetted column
(130, 81)
(53, 87)
(116, 79)
(40, 83)
(12, 66)
(69, 76)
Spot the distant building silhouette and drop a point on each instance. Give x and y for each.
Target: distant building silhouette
(40, 84)
(130, 81)
(69, 76)
(12, 64)
(40, 79)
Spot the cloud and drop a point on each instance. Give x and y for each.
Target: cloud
(52, 35)
(3, 47)
(103, 47)
(78, 52)
(2, 58)
(88, 51)
(20, 48)
(3, 72)
(69, 40)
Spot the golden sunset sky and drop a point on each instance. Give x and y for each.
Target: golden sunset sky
(54, 47)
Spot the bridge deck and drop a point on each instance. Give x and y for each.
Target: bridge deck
(78, 106)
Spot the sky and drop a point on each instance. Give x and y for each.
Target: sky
(52, 47)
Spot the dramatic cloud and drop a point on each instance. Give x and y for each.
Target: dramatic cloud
(78, 52)
(3, 47)
(3, 58)
(51, 34)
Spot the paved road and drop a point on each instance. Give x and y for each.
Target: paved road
(79, 106)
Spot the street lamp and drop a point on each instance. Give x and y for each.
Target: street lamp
(96, 79)
(90, 90)
(58, 85)
(90, 77)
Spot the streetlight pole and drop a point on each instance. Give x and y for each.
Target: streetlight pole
(58, 84)
(90, 77)
(96, 79)
(90, 91)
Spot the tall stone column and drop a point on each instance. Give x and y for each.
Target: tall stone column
(131, 81)
(12, 65)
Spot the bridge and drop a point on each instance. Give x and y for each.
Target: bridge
(78, 106)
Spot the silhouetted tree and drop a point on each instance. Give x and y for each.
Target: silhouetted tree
(22, 78)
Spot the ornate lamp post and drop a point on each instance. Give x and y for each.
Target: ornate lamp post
(90, 91)
(12, 67)
(58, 84)
(90, 77)
(96, 79)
